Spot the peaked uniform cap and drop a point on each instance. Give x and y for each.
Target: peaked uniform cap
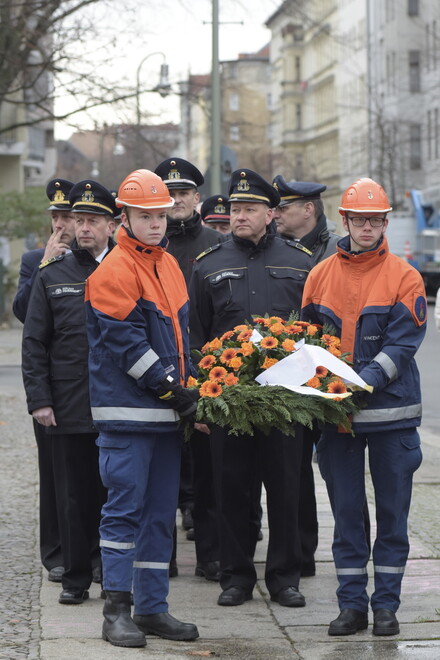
(248, 186)
(297, 190)
(57, 190)
(216, 209)
(178, 173)
(92, 197)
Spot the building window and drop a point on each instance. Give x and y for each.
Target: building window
(413, 7)
(414, 71)
(234, 102)
(415, 147)
(436, 134)
(297, 68)
(298, 114)
(234, 133)
(429, 136)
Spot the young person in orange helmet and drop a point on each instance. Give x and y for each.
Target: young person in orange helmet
(376, 302)
(137, 319)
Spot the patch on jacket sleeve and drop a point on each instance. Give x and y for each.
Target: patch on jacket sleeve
(419, 309)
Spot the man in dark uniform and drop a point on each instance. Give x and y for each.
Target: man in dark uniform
(300, 217)
(63, 233)
(55, 375)
(215, 213)
(254, 273)
(188, 237)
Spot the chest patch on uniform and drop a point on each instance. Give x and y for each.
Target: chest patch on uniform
(67, 290)
(420, 310)
(225, 275)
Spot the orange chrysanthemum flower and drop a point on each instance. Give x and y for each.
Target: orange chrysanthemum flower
(215, 344)
(210, 389)
(321, 372)
(260, 320)
(268, 362)
(313, 382)
(303, 324)
(312, 330)
(205, 347)
(217, 373)
(275, 319)
(245, 335)
(227, 355)
(247, 348)
(235, 363)
(227, 335)
(207, 361)
(230, 379)
(288, 345)
(331, 340)
(191, 382)
(334, 351)
(269, 342)
(336, 387)
(294, 329)
(277, 328)
(241, 328)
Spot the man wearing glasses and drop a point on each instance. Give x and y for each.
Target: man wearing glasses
(376, 301)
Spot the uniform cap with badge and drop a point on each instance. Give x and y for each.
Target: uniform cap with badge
(248, 186)
(215, 209)
(179, 173)
(92, 197)
(58, 190)
(297, 191)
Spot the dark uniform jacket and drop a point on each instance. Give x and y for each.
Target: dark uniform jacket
(237, 279)
(320, 241)
(188, 239)
(28, 271)
(55, 348)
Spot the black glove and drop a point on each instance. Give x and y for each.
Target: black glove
(181, 399)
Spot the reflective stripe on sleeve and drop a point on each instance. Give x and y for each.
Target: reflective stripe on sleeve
(135, 414)
(115, 545)
(143, 364)
(154, 565)
(351, 571)
(388, 414)
(389, 569)
(387, 365)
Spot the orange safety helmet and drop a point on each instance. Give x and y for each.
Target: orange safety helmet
(144, 189)
(364, 196)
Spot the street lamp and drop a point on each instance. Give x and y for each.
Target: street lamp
(163, 88)
(215, 106)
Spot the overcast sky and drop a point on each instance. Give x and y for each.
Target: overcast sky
(181, 30)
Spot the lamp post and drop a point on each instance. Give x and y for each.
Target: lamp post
(163, 88)
(215, 106)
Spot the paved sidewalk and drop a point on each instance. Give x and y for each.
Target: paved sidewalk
(257, 630)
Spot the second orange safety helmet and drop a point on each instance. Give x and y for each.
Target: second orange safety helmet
(364, 196)
(144, 189)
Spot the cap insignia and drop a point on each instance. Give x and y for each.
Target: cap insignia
(59, 196)
(88, 196)
(219, 209)
(243, 185)
(173, 174)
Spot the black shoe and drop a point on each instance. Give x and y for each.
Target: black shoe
(385, 623)
(190, 535)
(173, 571)
(56, 574)
(73, 596)
(260, 535)
(289, 597)
(97, 574)
(166, 626)
(234, 596)
(348, 622)
(210, 570)
(119, 628)
(187, 519)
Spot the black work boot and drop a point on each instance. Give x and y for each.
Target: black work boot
(348, 622)
(118, 627)
(166, 626)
